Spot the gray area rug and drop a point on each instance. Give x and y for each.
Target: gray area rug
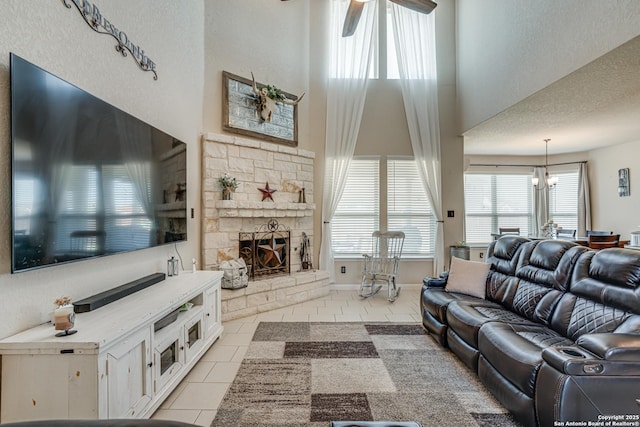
(307, 374)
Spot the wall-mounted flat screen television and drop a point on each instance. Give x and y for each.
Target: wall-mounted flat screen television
(88, 179)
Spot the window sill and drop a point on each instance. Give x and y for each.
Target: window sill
(478, 245)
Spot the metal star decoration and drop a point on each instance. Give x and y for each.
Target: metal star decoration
(272, 251)
(267, 193)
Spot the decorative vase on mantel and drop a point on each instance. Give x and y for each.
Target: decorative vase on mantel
(227, 193)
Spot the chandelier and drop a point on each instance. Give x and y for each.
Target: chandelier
(550, 181)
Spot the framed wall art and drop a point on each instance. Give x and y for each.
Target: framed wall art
(623, 182)
(247, 110)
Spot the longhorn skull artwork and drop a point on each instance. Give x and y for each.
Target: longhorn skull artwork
(268, 96)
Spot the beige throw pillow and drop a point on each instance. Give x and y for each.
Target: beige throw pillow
(468, 277)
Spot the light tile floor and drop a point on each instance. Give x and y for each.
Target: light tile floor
(198, 396)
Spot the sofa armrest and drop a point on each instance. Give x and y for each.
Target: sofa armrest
(430, 282)
(577, 361)
(616, 347)
(439, 282)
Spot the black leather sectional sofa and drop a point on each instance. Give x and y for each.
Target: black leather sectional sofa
(557, 339)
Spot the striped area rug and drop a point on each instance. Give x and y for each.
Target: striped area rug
(307, 374)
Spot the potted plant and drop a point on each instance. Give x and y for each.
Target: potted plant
(228, 185)
(460, 250)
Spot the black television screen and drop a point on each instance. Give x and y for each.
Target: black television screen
(87, 178)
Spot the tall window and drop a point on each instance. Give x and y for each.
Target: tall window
(358, 214)
(408, 209)
(393, 72)
(384, 63)
(563, 200)
(496, 200)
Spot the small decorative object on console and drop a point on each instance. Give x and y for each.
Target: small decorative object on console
(173, 269)
(64, 318)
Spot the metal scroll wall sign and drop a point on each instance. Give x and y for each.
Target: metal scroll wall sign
(101, 25)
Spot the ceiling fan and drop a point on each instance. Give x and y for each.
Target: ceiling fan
(356, 6)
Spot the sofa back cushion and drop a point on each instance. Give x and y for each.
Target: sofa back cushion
(503, 256)
(544, 270)
(549, 263)
(604, 295)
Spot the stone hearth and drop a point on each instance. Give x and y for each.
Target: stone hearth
(254, 163)
(272, 293)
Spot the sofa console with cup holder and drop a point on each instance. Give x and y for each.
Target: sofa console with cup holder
(555, 332)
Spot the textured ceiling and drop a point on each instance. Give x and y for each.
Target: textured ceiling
(593, 107)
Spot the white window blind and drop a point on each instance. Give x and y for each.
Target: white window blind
(408, 209)
(357, 215)
(102, 198)
(78, 205)
(563, 200)
(23, 209)
(128, 225)
(496, 200)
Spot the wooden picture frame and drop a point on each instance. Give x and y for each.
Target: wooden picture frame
(240, 113)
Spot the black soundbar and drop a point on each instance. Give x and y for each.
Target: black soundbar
(106, 297)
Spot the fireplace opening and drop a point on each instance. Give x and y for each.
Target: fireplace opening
(266, 250)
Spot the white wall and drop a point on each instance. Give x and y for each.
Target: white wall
(509, 49)
(58, 40)
(609, 211)
(270, 39)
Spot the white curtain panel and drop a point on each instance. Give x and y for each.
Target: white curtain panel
(350, 59)
(540, 201)
(416, 51)
(584, 201)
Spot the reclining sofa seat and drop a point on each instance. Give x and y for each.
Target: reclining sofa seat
(434, 301)
(527, 298)
(586, 362)
(569, 347)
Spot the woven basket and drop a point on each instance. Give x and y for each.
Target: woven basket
(235, 277)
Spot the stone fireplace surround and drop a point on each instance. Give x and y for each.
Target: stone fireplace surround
(254, 163)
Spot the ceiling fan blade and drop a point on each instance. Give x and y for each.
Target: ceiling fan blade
(352, 18)
(422, 6)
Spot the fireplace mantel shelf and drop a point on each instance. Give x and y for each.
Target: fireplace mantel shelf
(264, 209)
(279, 206)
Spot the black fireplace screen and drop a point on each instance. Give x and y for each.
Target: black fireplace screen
(266, 250)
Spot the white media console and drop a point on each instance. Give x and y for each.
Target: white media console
(121, 363)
